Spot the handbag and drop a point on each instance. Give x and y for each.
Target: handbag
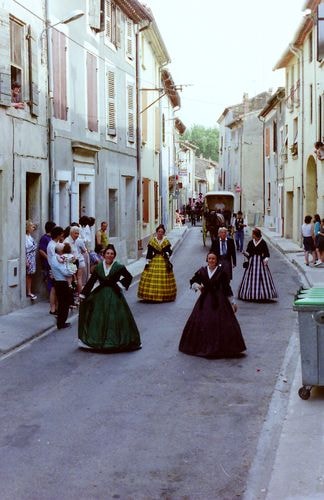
(245, 264)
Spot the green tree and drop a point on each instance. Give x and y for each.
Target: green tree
(206, 139)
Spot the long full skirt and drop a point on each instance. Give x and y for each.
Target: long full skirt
(106, 322)
(157, 283)
(257, 283)
(212, 330)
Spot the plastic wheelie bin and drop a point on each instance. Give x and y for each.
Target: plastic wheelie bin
(310, 307)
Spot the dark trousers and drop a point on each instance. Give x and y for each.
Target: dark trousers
(63, 294)
(239, 239)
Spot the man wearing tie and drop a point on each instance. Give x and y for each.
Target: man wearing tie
(224, 248)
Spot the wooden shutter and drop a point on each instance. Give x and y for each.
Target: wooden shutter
(111, 105)
(129, 39)
(144, 115)
(118, 27)
(108, 19)
(157, 129)
(156, 200)
(145, 199)
(267, 141)
(33, 72)
(5, 73)
(59, 75)
(130, 113)
(94, 14)
(92, 92)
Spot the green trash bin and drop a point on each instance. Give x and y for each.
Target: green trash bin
(310, 308)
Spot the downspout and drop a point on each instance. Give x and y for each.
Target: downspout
(138, 135)
(299, 54)
(164, 199)
(263, 166)
(50, 131)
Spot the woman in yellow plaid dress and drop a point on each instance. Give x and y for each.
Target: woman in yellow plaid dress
(157, 283)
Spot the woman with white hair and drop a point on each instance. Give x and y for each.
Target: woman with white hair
(78, 249)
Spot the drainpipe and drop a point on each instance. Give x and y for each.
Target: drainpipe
(299, 54)
(138, 135)
(263, 167)
(49, 106)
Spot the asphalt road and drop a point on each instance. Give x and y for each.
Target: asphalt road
(151, 424)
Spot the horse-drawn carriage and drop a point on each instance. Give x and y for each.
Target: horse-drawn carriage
(217, 212)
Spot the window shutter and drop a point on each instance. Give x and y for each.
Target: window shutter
(157, 130)
(94, 14)
(144, 115)
(111, 122)
(33, 72)
(145, 200)
(5, 74)
(130, 113)
(118, 27)
(92, 92)
(59, 75)
(129, 40)
(267, 141)
(108, 19)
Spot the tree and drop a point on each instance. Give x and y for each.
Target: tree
(206, 139)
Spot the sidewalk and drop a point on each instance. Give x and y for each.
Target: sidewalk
(298, 467)
(21, 326)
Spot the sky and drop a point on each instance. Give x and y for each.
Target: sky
(220, 49)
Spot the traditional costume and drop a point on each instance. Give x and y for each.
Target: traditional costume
(157, 283)
(212, 330)
(105, 320)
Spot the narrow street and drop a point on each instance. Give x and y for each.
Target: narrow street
(152, 424)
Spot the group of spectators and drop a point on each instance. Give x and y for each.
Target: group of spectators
(67, 258)
(312, 231)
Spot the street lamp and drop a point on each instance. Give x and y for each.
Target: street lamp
(75, 14)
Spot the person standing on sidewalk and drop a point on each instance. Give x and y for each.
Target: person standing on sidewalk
(239, 226)
(64, 295)
(30, 247)
(307, 231)
(42, 249)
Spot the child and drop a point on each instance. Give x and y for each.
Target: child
(65, 256)
(96, 256)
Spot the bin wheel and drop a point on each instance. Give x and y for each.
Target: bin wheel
(304, 393)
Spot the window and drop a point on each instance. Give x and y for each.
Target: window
(144, 113)
(92, 92)
(267, 141)
(320, 32)
(157, 130)
(97, 15)
(130, 113)
(112, 16)
(274, 137)
(17, 50)
(156, 201)
(59, 75)
(145, 200)
(320, 119)
(310, 47)
(111, 103)
(129, 40)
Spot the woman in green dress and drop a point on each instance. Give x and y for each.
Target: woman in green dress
(105, 320)
(157, 283)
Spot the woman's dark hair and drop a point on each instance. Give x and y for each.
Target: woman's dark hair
(66, 231)
(91, 222)
(110, 247)
(211, 252)
(257, 232)
(308, 219)
(49, 226)
(98, 248)
(317, 218)
(161, 226)
(56, 231)
(84, 220)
